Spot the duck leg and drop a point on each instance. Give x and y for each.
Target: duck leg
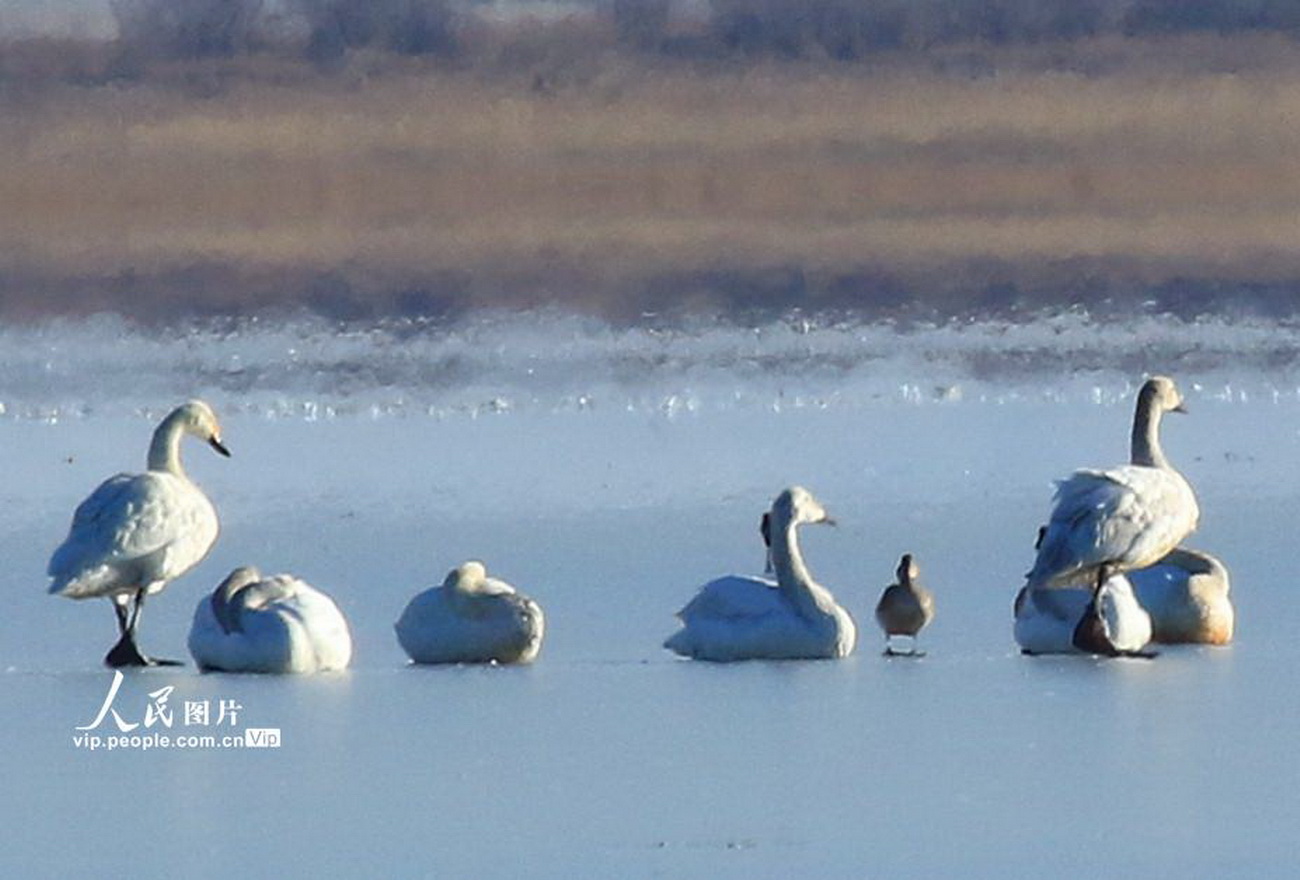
(912, 651)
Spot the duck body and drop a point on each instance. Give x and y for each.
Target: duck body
(905, 607)
(471, 618)
(277, 624)
(793, 617)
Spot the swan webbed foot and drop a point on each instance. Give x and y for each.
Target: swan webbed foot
(126, 654)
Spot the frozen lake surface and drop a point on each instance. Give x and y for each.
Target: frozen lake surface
(608, 473)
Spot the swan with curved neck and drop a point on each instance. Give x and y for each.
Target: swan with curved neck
(277, 624)
(744, 618)
(138, 532)
(905, 607)
(1107, 523)
(1115, 521)
(471, 618)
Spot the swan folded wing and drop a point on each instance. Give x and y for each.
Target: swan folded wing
(1131, 515)
(734, 597)
(130, 517)
(1127, 624)
(1158, 510)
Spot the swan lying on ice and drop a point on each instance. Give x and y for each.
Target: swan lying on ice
(1186, 594)
(471, 618)
(749, 618)
(278, 624)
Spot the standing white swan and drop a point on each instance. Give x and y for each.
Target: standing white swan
(749, 618)
(471, 618)
(1118, 520)
(137, 532)
(276, 624)
(1186, 594)
(1106, 523)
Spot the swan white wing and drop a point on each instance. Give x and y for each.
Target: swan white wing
(734, 597)
(1187, 597)
(744, 618)
(1046, 619)
(1130, 515)
(286, 626)
(150, 526)
(322, 640)
(264, 642)
(504, 627)
(1128, 626)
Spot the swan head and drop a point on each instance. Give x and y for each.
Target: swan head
(908, 571)
(198, 419)
(225, 606)
(1160, 394)
(468, 577)
(797, 505)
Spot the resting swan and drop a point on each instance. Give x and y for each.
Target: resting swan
(1186, 594)
(1109, 621)
(138, 532)
(749, 618)
(276, 624)
(471, 618)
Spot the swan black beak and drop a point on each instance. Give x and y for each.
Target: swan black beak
(215, 443)
(828, 521)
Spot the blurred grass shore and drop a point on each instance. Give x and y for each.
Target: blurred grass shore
(1112, 173)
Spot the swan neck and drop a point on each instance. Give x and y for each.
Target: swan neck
(791, 571)
(1145, 449)
(793, 577)
(165, 450)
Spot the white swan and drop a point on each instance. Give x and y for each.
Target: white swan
(274, 624)
(1186, 594)
(905, 607)
(471, 618)
(744, 618)
(137, 532)
(1071, 620)
(1106, 523)
(1118, 520)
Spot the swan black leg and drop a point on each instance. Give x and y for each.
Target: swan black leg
(126, 652)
